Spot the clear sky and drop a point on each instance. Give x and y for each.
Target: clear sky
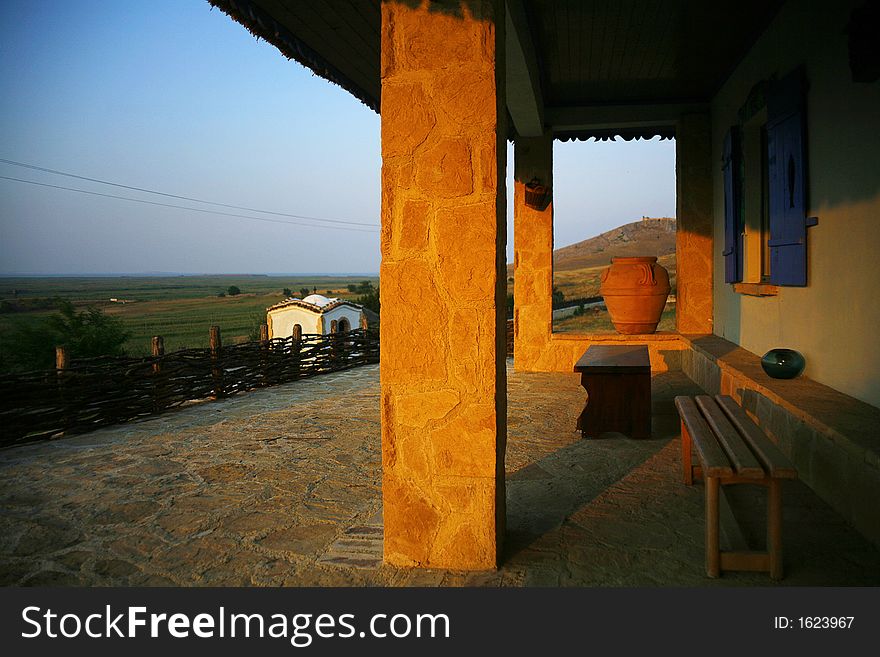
(172, 96)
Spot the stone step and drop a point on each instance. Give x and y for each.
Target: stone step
(360, 546)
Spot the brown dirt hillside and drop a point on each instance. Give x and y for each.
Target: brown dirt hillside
(577, 267)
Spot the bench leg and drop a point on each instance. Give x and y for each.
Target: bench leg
(686, 463)
(713, 546)
(774, 527)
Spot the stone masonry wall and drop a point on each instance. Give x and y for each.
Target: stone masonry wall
(694, 232)
(443, 237)
(536, 347)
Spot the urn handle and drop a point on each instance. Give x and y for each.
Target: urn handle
(647, 275)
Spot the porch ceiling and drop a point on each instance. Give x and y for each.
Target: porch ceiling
(640, 51)
(571, 63)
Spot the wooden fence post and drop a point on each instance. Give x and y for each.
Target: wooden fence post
(62, 359)
(158, 345)
(216, 369)
(295, 345)
(264, 353)
(158, 349)
(62, 362)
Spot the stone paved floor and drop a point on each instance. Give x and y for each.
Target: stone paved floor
(282, 487)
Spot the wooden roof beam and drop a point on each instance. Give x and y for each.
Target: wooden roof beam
(523, 82)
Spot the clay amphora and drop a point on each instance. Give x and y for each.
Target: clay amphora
(635, 291)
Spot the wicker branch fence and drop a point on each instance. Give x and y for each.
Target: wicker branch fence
(82, 395)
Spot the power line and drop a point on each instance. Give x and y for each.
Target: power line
(182, 207)
(183, 198)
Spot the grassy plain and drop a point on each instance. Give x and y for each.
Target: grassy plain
(597, 320)
(179, 308)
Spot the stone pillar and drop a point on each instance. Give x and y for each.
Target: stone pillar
(693, 243)
(443, 283)
(532, 255)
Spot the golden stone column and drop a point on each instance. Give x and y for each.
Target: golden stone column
(693, 241)
(443, 284)
(532, 255)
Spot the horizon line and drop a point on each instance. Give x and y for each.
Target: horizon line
(156, 274)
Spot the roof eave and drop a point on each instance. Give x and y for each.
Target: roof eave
(263, 26)
(320, 310)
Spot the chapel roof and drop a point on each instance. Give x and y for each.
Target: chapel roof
(316, 303)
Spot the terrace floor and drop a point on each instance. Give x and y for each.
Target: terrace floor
(283, 487)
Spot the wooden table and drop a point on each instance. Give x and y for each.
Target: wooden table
(618, 384)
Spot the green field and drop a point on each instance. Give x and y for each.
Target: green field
(179, 308)
(597, 320)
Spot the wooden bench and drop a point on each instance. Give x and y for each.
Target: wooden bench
(731, 449)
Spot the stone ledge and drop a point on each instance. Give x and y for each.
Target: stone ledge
(846, 421)
(831, 438)
(660, 336)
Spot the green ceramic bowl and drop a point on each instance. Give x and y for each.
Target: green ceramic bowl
(783, 363)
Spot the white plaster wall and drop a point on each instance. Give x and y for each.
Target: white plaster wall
(353, 316)
(834, 320)
(283, 320)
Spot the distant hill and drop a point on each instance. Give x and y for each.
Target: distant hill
(654, 237)
(577, 267)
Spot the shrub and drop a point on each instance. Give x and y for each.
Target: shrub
(256, 322)
(370, 300)
(558, 297)
(232, 290)
(86, 334)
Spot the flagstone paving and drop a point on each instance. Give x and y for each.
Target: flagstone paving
(282, 487)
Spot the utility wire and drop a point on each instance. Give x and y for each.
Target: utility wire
(182, 207)
(184, 198)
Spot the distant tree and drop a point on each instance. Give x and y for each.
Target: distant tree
(304, 291)
(86, 334)
(370, 300)
(221, 294)
(232, 290)
(287, 292)
(353, 288)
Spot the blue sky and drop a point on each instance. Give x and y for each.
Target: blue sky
(173, 96)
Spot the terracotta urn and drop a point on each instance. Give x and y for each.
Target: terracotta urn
(635, 291)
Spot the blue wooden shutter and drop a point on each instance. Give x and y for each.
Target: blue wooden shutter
(733, 256)
(786, 160)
